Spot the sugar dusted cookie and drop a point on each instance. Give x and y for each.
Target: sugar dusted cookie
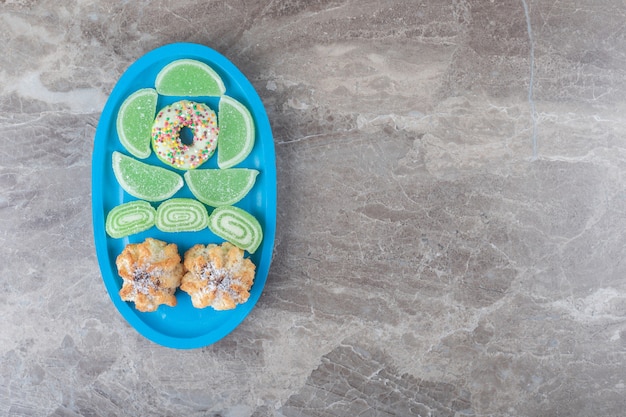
(151, 271)
(218, 276)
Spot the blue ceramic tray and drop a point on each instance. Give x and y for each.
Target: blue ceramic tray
(183, 326)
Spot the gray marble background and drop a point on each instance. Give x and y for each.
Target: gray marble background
(452, 207)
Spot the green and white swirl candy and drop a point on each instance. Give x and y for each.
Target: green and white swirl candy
(181, 215)
(130, 218)
(236, 226)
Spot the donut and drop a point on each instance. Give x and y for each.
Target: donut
(166, 130)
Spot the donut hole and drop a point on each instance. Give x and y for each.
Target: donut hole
(186, 136)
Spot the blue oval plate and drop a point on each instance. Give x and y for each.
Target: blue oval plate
(183, 326)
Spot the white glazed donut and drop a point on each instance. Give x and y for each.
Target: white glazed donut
(166, 140)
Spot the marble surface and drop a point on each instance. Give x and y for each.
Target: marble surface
(451, 218)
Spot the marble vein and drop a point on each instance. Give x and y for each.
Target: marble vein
(531, 79)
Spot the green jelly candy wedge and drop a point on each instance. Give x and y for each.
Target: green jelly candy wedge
(188, 77)
(134, 122)
(236, 226)
(181, 215)
(236, 132)
(130, 218)
(220, 187)
(145, 181)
